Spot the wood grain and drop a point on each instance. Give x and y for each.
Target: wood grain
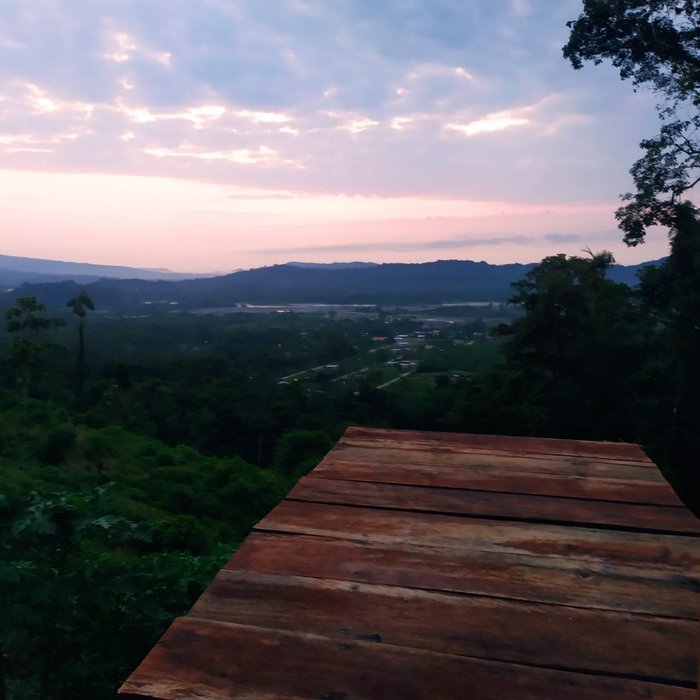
(220, 661)
(570, 511)
(463, 535)
(506, 443)
(556, 580)
(419, 566)
(468, 476)
(480, 627)
(577, 466)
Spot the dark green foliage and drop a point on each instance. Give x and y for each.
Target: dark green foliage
(671, 293)
(27, 317)
(84, 592)
(56, 443)
(98, 555)
(578, 348)
(25, 323)
(299, 451)
(654, 43)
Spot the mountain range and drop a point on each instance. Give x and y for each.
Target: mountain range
(16, 270)
(336, 283)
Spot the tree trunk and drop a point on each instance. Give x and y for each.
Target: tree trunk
(80, 368)
(3, 682)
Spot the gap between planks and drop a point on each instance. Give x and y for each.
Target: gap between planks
(498, 505)
(478, 478)
(551, 580)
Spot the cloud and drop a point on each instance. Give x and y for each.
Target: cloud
(346, 106)
(585, 237)
(123, 47)
(394, 246)
(263, 117)
(489, 124)
(40, 101)
(242, 156)
(432, 70)
(564, 237)
(200, 115)
(356, 125)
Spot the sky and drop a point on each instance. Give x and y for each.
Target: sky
(224, 134)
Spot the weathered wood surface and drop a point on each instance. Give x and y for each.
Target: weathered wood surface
(512, 506)
(503, 480)
(425, 565)
(556, 580)
(461, 535)
(219, 661)
(482, 627)
(548, 464)
(496, 444)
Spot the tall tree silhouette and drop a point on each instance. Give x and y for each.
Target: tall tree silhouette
(26, 322)
(656, 44)
(80, 305)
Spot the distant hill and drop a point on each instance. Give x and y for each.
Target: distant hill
(16, 270)
(333, 266)
(627, 274)
(389, 283)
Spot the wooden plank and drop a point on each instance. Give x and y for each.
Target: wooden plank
(447, 447)
(567, 466)
(535, 634)
(426, 565)
(507, 443)
(484, 479)
(556, 580)
(465, 534)
(200, 659)
(570, 511)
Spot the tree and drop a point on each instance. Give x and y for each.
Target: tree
(79, 306)
(671, 294)
(576, 348)
(654, 43)
(25, 322)
(297, 452)
(87, 591)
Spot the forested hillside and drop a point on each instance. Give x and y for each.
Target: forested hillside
(434, 282)
(136, 453)
(15, 270)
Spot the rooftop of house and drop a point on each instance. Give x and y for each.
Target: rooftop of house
(420, 565)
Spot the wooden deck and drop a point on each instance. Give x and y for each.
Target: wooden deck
(424, 565)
